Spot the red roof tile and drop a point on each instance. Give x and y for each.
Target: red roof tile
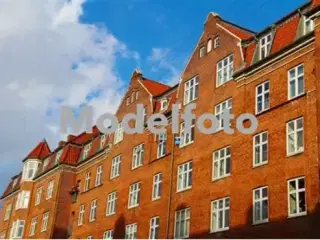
(155, 88)
(239, 32)
(40, 151)
(10, 188)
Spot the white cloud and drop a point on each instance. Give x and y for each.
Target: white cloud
(49, 57)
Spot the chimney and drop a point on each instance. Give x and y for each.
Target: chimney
(61, 143)
(70, 137)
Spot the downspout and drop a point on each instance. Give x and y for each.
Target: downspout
(170, 187)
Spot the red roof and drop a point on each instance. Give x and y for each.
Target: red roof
(315, 3)
(155, 88)
(239, 32)
(40, 151)
(10, 188)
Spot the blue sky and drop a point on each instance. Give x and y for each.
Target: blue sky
(53, 45)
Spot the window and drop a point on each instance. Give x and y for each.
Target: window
(295, 82)
(219, 110)
(23, 199)
(108, 234)
(132, 97)
(295, 136)
(161, 148)
(224, 70)
(156, 188)
(29, 170)
(297, 197)
(184, 176)
(182, 224)
(38, 196)
(87, 181)
(17, 229)
(99, 176)
(191, 90)
(131, 231)
(137, 156)
(154, 228)
(216, 42)
(81, 215)
(118, 135)
(134, 195)
(220, 210)
(111, 203)
(58, 155)
(262, 97)
(44, 223)
(209, 45)
(308, 25)
(89, 237)
(137, 95)
(260, 149)
(33, 226)
(102, 141)
(8, 212)
(127, 101)
(86, 151)
(45, 163)
(185, 137)
(221, 163)
(202, 51)
(265, 46)
(50, 190)
(163, 104)
(93, 210)
(260, 205)
(115, 167)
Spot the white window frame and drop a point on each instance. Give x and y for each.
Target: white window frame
(82, 209)
(50, 189)
(221, 157)
(57, 157)
(265, 45)
(295, 79)
(216, 42)
(259, 141)
(264, 96)
(131, 231)
(111, 203)
(154, 227)
(38, 196)
(33, 226)
(218, 212)
(87, 180)
(45, 163)
(98, 181)
(296, 131)
(156, 186)
(93, 210)
(22, 201)
(134, 192)
(108, 234)
(191, 90)
(17, 229)
(184, 176)
(186, 138)
(224, 70)
(209, 45)
(115, 167)
(44, 223)
(258, 202)
(86, 151)
(297, 197)
(137, 156)
(30, 168)
(219, 109)
(118, 134)
(202, 51)
(305, 25)
(182, 220)
(102, 141)
(8, 212)
(163, 104)
(161, 144)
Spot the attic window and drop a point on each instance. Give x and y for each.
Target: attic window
(137, 95)
(209, 45)
(128, 101)
(102, 141)
(164, 104)
(265, 46)
(86, 151)
(308, 25)
(58, 155)
(216, 42)
(132, 97)
(14, 182)
(45, 163)
(202, 51)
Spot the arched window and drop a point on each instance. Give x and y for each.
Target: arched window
(137, 95)
(209, 45)
(132, 97)
(164, 104)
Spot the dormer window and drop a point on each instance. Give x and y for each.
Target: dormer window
(202, 51)
(265, 45)
(14, 183)
(216, 42)
(164, 104)
(102, 141)
(308, 25)
(209, 45)
(29, 170)
(45, 163)
(58, 155)
(86, 151)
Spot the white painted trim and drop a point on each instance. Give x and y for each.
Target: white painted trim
(229, 32)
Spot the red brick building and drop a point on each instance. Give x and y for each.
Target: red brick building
(264, 184)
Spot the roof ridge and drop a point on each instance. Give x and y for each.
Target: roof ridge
(238, 26)
(156, 82)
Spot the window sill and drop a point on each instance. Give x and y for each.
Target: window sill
(260, 165)
(295, 97)
(136, 167)
(194, 100)
(111, 178)
(90, 189)
(260, 222)
(220, 178)
(155, 199)
(295, 153)
(184, 190)
(186, 145)
(298, 215)
(110, 214)
(219, 230)
(134, 206)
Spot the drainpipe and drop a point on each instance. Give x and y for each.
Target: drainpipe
(170, 187)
